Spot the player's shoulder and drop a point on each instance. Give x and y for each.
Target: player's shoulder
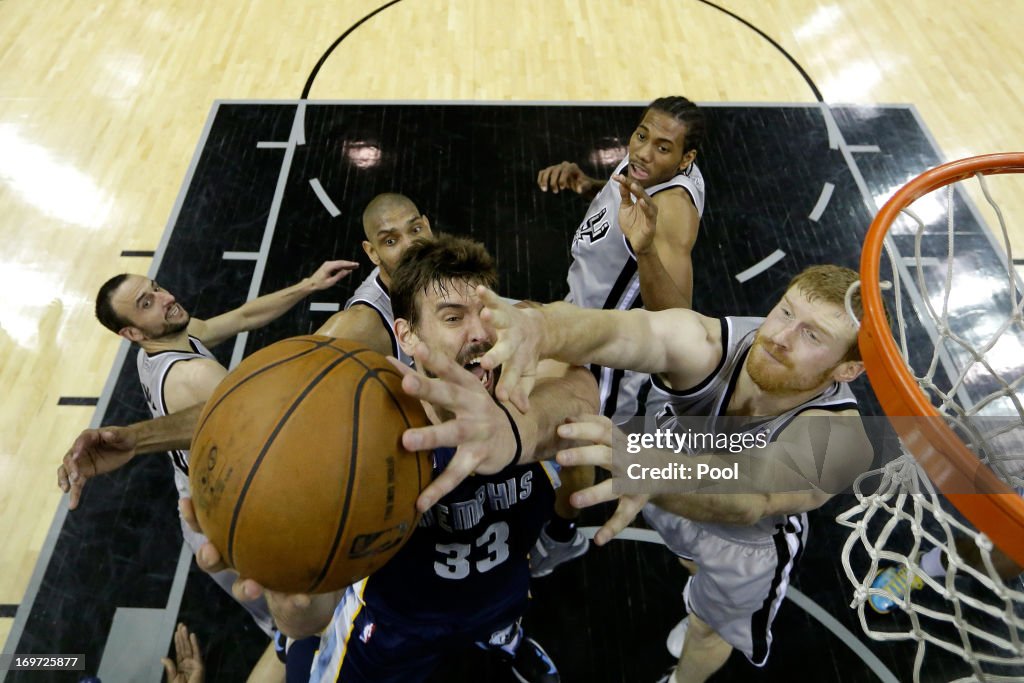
(195, 369)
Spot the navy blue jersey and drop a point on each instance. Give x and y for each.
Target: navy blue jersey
(468, 557)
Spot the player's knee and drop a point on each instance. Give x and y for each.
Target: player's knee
(700, 634)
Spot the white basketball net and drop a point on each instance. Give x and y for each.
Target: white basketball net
(971, 614)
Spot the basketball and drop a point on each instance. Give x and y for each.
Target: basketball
(298, 474)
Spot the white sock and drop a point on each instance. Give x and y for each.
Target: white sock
(931, 563)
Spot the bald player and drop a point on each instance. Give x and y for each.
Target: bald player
(390, 222)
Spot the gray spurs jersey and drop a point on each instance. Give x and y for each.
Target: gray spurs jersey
(604, 274)
(153, 369)
(710, 399)
(372, 292)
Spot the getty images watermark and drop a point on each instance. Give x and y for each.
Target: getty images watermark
(685, 440)
(782, 455)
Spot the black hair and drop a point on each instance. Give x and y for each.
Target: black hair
(686, 112)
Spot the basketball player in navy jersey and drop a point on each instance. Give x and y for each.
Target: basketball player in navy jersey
(789, 371)
(631, 250)
(463, 577)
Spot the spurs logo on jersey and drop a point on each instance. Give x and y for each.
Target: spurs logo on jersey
(594, 228)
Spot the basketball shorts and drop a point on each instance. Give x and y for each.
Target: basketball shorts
(739, 586)
(257, 609)
(362, 646)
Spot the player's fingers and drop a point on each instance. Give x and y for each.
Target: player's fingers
(460, 467)
(75, 494)
(496, 311)
(170, 670)
(594, 428)
(599, 493)
(597, 455)
(440, 392)
(544, 178)
(450, 433)
(62, 479)
(565, 176)
(520, 396)
(507, 382)
(623, 184)
(561, 176)
(84, 440)
(181, 641)
(246, 589)
(188, 513)
(401, 367)
(649, 208)
(443, 367)
(209, 560)
(626, 512)
(194, 640)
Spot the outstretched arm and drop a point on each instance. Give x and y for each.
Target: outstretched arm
(259, 312)
(682, 345)
(98, 451)
(568, 176)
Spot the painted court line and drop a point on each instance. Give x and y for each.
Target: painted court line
(761, 266)
(271, 145)
(296, 137)
(321, 194)
(241, 255)
(823, 199)
(872, 149)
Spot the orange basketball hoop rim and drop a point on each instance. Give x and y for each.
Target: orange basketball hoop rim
(988, 503)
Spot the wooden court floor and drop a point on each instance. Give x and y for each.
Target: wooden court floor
(101, 108)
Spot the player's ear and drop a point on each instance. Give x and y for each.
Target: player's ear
(688, 158)
(407, 339)
(132, 333)
(371, 253)
(847, 371)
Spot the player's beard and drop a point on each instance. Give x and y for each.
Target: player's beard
(176, 328)
(779, 376)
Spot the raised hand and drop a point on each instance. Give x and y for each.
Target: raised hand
(565, 176)
(479, 429)
(94, 452)
(597, 431)
(330, 273)
(638, 219)
(187, 665)
(520, 334)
